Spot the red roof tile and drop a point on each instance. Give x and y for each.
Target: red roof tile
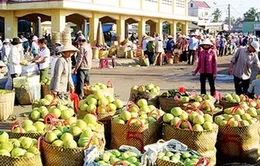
(201, 4)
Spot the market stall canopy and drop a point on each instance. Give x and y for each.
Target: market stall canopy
(193, 26)
(100, 36)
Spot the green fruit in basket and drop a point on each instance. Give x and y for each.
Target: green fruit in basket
(56, 112)
(246, 116)
(106, 156)
(145, 109)
(244, 123)
(186, 155)
(240, 111)
(252, 111)
(135, 87)
(192, 115)
(87, 133)
(142, 102)
(30, 129)
(184, 116)
(238, 117)
(40, 126)
(197, 127)
(154, 91)
(66, 137)
(125, 115)
(98, 94)
(62, 107)
(45, 102)
(110, 99)
(103, 86)
(83, 141)
(27, 122)
(92, 101)
(91, 108)
(176, 111)
(175, 120)
(50, 137)
(26, 142)
(218, 119)
(33, 150)
(208, 126)
(198, 120)
(184, 125)
(90, 119)
(49, 97)
(35, 115)
(81, 124)
(113, 160)
(70, 144)
(18, 152)
(168, 117)
(233, 123)
(103, 101)
(4, 152)
(15, 142)
(65, 115)
(75, 131)
(7, 146)
(208, 118)
(116, 153)
(28, 155)
(57, 143)
(112, 107)
(251, 121)
(223, 123)
(141, 89)
(132, 159)
(161, 155)
(149, 86)
(119, 104)
(168, 154)
(166, 158)
(158, 88)
(17, 130)
(175, 159)
(185, 99)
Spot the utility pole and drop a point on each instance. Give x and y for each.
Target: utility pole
(229, 18)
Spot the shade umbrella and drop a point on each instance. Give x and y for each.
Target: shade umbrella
(39, 27)
(100, 36)
(86, 30)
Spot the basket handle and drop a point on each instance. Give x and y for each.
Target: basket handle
(217, 95)
(53, 101)
(39, 142)
(202, 160)
(132, 105)
(92, 138)
(245, 97)
(179, 123)
(102, 106)
(158, 113)
(109, 84)
(177, 98)
(234, 109)
(50, 117)
(161, 141)
(194, 93)
(119, 161)
(187, 106)
(19, 125)
(227, 124)
(130, 120)
(195, 110)
(205, 102)
(129, 103)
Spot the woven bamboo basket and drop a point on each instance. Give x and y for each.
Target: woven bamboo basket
(21, 134)
(167, 104)
(21, 161)
(6, 105)
(45, 90)
(227, 104)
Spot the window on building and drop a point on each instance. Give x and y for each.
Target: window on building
(191, 5)
(206, 13)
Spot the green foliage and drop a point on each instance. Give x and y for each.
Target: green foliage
(216, 15)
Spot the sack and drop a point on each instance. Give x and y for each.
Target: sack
(95, 52)
(136, 136)
(130, 54)
(6, 104)
(201, 141)
(122, 52)
(239, 144)
(23, 95)
(21, 161)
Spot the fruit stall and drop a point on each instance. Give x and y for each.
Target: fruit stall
(173, 128)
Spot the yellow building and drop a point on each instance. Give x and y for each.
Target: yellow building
(120, 12)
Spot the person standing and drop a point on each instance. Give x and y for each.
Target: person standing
(43, 59)
(193, 45)
(61, 82)
(241, 64)
(150, 50)
(222, 42)
(207, 66)
(158, 52)
(15, 61)
(165, 41)
(83, 65)
(5, 50)
(35, 46)
(144, 44)
(170, 45)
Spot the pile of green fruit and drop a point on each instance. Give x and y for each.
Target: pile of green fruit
(113, 157)
(79, 134)
(189, 158)
(142, 113)
(206, 106)
(46, 81)
(147, 88)
(95, 87)
(50, 100)
(197, 119)
(238, 117)
(22, 147)
(234, 98)
(99, 103)
(27, 126)
(58, 109)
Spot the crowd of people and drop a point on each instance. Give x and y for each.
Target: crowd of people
(203, 49)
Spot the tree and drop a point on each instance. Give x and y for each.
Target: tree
(233, 20)
(251, 14)
(239, 19)
(216, 15)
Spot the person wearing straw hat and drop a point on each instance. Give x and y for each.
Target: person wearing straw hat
(35, 46)
(241, 65)
(61, 82)
(207, 66)
(83, 65)
(5, 50)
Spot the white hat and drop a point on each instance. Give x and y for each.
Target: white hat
(79, 32)
(35, 38)
(151, 39)
(21, 41)
(58, 42)
(6, 40)
(255, 45)
(193, 34)
(206, 42)
(24, 39)
(68, 47)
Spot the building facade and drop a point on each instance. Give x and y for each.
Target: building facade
(201, 10)
(251, 27)
(119, 12)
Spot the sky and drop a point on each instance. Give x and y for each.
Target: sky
(238, 7)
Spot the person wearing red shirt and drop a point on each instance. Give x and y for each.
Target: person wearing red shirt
(207, 66)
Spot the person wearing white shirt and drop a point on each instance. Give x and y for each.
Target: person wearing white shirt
(15, 61)
(35, 46)
(144, 45)
(43, 59)
(5, 50)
